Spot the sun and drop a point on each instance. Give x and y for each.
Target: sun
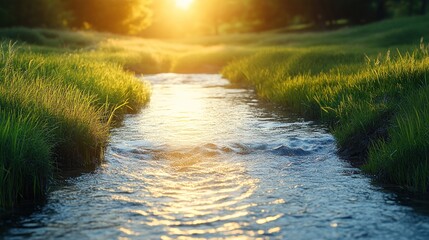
(184, 4)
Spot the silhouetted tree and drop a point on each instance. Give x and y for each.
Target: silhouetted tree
(423, 7)
(33, 13)
(118, 16)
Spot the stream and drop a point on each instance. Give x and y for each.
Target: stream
(205, 160)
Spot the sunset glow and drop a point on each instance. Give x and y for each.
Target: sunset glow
(184, 4)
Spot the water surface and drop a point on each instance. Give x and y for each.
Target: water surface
(205, 160)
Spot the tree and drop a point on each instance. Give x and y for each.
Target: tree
(117, 16)
(423, 7)
(33, 13)
(214, 14)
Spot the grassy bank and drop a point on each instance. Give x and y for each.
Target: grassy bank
(55, 111)
(135, 54)
(374, 96)
(60, 89)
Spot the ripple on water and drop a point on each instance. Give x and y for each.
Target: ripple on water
(207, 161)
(196, 192)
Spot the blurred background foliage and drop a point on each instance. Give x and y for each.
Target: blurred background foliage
(162, 18)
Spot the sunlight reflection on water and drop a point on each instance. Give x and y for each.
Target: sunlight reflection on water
(189, 192)
(206, 161)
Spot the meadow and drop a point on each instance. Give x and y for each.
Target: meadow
(61, 92)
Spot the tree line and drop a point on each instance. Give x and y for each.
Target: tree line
(206, 16)
(257, 15)
(117, 16)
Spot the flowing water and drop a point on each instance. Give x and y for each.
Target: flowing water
(205, 160)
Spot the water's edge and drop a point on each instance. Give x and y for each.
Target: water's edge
(210, 161)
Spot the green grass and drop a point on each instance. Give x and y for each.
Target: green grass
(52, 38)
(376, 104)
(208, 59)
(56, 111)
(404, 158)
(60, 90)
(25, 148)
(353, 79)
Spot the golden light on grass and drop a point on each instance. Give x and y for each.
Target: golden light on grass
(184, 4)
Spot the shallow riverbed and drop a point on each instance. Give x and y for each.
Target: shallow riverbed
(205, 160)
